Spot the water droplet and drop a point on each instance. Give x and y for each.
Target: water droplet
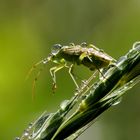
(64, 104)
(136, 44)
(83, 97)
(26, 133)
(30, 137)
(17, 138)
(30, 125)
(56, 48)
(117, 101)
(44, 61)
(91, 91)
(76, 93)
(84, 44)
(71, 44)
(121, 59)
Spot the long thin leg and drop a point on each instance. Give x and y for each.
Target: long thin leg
(89, 87)
(72, 75)
(53, 70)
(85, 86)
(96, 67)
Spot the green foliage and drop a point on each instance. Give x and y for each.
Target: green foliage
(28, 29)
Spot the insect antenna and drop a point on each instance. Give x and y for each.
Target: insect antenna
(43, 62)
(32, 69)
(34, 82)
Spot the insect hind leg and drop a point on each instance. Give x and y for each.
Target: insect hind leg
(72, 75)
(53, 71)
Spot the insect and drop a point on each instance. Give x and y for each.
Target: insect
(69, 56)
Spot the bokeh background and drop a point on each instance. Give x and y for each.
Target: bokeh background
(28, 29)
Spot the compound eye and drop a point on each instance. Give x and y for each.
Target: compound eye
(56, 48)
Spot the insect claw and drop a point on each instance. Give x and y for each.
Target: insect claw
(54, 87)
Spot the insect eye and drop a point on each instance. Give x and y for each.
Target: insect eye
(56, 48)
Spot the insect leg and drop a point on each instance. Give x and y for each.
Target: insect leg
(87, 86)
(95, 66)
(53, 70)
(72, 75)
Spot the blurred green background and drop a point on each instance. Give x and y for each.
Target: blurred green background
(28, 29)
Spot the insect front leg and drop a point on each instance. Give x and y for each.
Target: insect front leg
(53, 71)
